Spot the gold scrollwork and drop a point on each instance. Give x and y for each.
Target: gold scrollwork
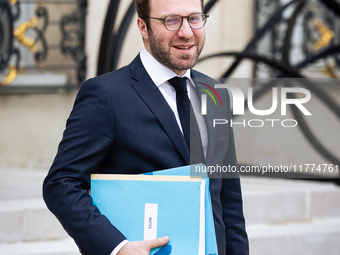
(330, 71)
(20, 34)
(325, 33)
(12, 74)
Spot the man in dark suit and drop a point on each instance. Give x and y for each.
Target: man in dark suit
(129, 122)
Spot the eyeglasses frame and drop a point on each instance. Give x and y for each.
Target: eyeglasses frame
(182, 17)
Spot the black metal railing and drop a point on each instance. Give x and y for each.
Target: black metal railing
(42, 39)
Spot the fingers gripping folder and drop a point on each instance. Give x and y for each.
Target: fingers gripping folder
(157, 208)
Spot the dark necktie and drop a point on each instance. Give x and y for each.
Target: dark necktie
(189, 125)
(183, 105)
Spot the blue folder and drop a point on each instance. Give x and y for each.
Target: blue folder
(210, 234)
(123, 199)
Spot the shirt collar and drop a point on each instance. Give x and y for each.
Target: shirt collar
(158, 73)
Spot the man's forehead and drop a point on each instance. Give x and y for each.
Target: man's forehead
(174, 6)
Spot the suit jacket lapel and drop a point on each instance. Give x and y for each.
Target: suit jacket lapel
(154, 99)
(209, 118)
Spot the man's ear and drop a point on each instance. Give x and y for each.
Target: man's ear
(142, 28)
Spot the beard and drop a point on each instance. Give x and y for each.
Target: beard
(162, 53)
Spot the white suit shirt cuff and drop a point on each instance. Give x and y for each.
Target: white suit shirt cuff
(118, 247)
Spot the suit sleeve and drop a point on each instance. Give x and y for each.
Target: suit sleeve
(231, 200)
(87, 141)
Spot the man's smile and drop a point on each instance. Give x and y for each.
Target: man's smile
(184, 48)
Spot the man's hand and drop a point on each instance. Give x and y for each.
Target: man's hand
(142, 247)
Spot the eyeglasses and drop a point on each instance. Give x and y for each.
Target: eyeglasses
(174, 22)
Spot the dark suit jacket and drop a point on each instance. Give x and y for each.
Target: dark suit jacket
(121, 123)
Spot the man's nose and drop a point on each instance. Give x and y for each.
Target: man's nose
(185, 31)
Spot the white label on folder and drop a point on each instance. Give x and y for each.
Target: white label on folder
(150, 221)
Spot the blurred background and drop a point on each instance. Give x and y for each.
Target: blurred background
(48, 48)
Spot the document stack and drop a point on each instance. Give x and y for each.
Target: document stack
(163, 203)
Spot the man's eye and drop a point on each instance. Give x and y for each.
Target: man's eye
(172, 20)
(195, 18)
